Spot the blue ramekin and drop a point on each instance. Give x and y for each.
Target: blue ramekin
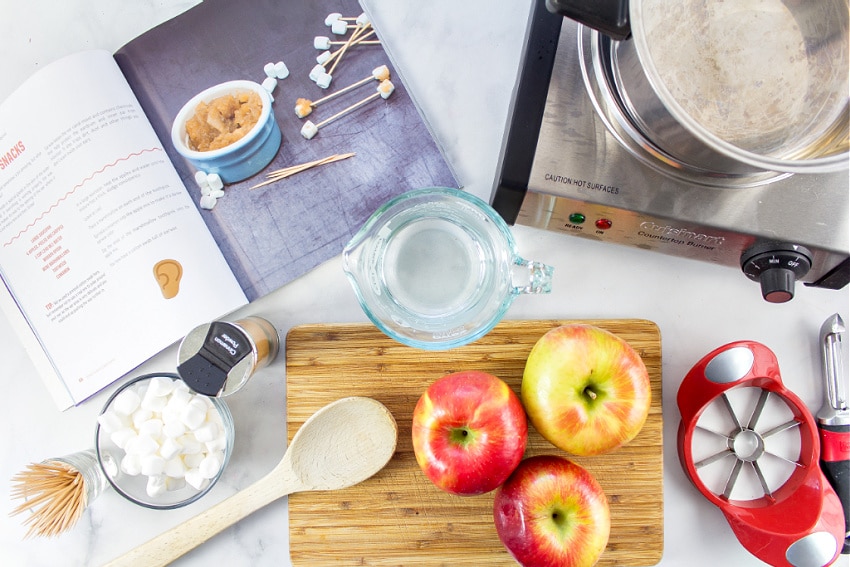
(243, 158)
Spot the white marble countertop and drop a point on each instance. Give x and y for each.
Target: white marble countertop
(476, 46)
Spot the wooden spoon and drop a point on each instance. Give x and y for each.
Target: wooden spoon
(342, 444)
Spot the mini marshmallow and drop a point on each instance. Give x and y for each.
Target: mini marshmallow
(200, 177)
(321, 42)
(203, 402)
(309, 130)
(192, 415)
(268, 69)
(155, 486)
(122, 436)
(172, 483)
(339, 27)
(175, 468)
(151, 428)
(208, 202)
(362, 19)
(126, 402)
(152, 465)
(332, 17)
(178, 399)
(381, 73)
(210, 466)
(160, 386)
(324, 80)
(195, 480)
(281, 71)
(131, 465)
(174, 428)
(386, 88)
(303, 108)
(142, 445)
(191, 446)
(170, 448)
(192, 461)
(315, 72)
(207, 432)
(270, 83)
(217, 444)
(111, 422)
(153, 402)
(218, 194)
(215, 183)
(140, 416)
(323, 57)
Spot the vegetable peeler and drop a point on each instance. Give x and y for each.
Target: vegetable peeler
(750, 446)
(834, 416)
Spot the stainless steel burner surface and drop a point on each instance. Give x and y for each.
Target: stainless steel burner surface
(574, 175)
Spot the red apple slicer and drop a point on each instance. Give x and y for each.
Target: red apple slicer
(751, 447)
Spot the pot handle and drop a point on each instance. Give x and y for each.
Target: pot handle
(610, 17)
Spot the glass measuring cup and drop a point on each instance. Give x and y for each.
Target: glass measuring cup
(437, 268)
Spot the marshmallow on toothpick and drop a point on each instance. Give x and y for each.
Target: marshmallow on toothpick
(303, 106)
(384, 90)
(308, 130)
(315, 72)
(332, 17)
(324, 80)
(322, 42)
(341, 27)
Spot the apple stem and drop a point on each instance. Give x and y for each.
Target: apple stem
(590, 393)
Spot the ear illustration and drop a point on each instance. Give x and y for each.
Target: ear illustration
(168, 274)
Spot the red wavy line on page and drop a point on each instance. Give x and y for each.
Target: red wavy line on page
(77, 186)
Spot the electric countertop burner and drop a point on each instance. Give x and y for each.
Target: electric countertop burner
(569, 164)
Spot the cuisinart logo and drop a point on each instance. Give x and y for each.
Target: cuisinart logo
(682, 236)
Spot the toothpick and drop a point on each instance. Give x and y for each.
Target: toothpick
(347, 44)
(54, 492)
(344, 90)
(363, 41)
(354, 35)
(344, 111)
(279, 174)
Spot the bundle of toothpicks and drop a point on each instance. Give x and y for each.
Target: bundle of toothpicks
(285, 172)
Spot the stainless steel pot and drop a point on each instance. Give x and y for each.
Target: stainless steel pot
(731, 88)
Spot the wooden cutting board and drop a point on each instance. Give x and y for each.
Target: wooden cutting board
(398, 517)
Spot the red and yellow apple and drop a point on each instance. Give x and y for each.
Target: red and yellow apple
(469, 432)
(552, 512)
(585, 389)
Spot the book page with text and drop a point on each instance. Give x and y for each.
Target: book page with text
(101, 246)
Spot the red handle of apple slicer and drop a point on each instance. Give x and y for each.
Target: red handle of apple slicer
(804, 515)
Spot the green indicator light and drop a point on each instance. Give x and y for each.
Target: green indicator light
(577, 218)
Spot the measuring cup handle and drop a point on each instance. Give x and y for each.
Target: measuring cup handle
(610, 17)
(532, 277)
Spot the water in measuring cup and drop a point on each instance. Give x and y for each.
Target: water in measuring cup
(433, 267)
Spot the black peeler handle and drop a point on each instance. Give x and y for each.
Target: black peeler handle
(835, 463)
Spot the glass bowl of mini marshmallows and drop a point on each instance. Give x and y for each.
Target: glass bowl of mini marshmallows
(160, 444)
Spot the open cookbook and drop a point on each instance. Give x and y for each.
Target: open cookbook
(107, 257)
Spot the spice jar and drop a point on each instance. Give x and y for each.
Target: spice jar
(218, 358)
